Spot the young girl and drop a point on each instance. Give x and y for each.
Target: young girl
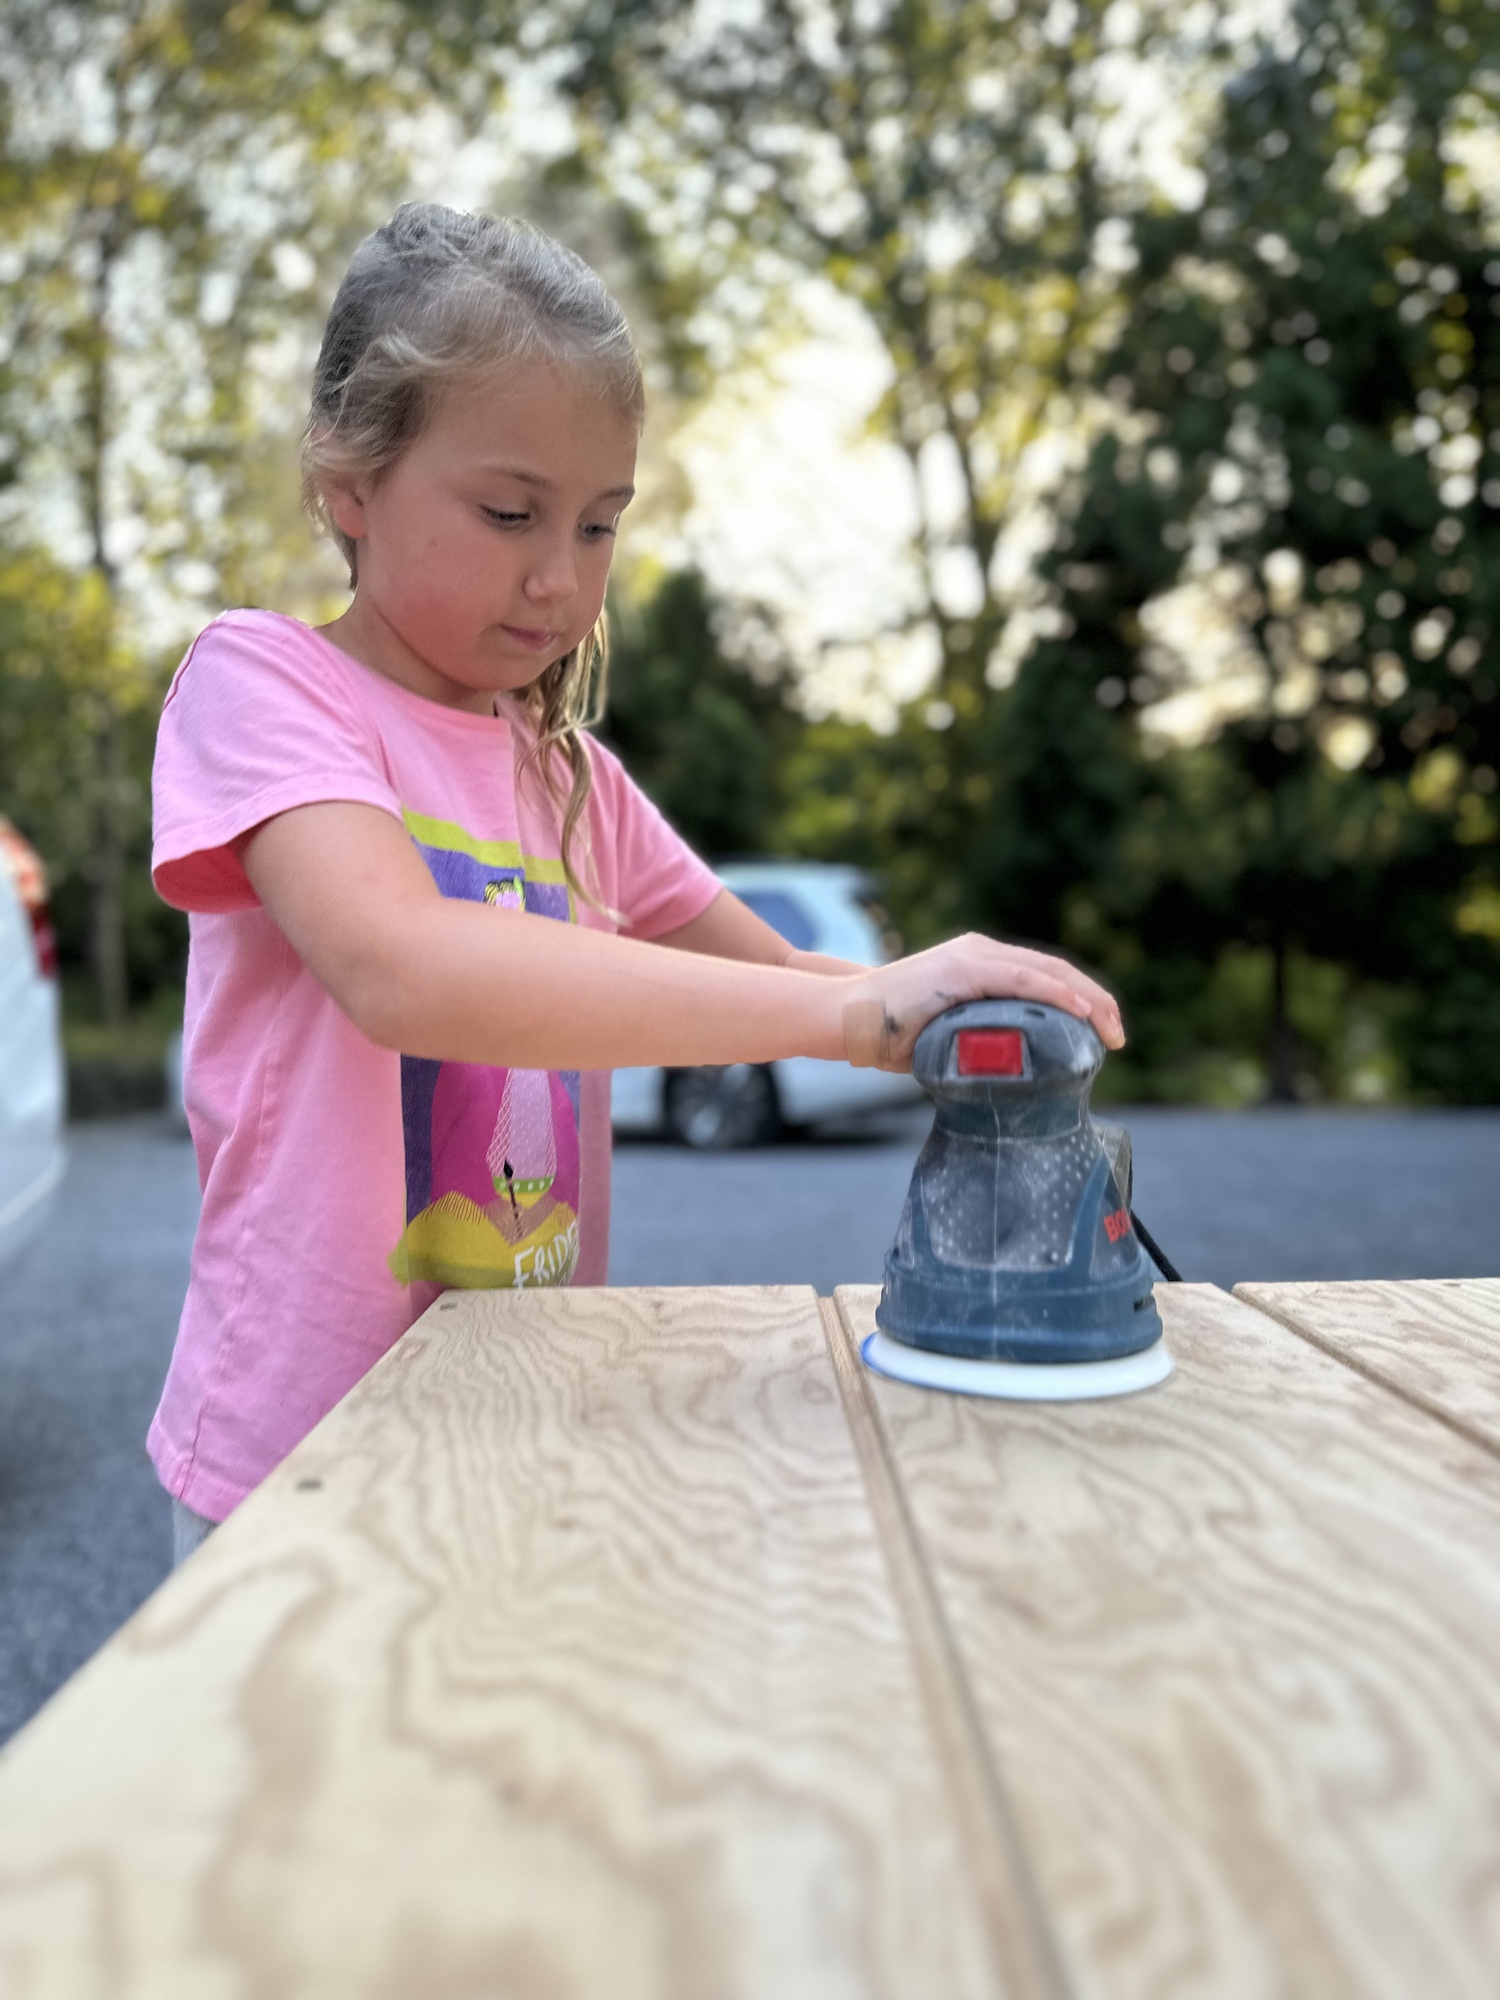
(428, 910)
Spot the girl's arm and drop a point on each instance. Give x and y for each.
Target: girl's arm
(729, 929)
(433, 976)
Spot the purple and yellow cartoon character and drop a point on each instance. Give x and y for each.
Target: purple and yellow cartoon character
(492, 1154)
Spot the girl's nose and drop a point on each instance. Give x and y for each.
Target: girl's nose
(552, 577)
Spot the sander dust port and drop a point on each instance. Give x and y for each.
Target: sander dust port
(1018, 1269)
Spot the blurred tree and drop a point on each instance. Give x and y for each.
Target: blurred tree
(1296, 519)
(996, 824)
(1282, 540)
(61, 664)
(173, 177)
(54, 656)
(707, 739)
(943, 166)
(969, 178)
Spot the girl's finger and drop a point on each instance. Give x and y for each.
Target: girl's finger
(1036, 977)
(1032, 975)
(1098, 997)
(1100, 1003)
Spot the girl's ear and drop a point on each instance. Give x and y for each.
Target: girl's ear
(346, 508)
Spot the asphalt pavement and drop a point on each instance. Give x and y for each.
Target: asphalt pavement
(87, 1315)
(1228, 1196)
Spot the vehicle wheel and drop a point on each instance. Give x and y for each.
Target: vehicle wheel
(715, 1109)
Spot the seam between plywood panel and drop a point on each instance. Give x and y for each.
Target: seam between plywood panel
(1284, 1316)
(1022, 1945)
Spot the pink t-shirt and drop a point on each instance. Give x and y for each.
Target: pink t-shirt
(343, 1185)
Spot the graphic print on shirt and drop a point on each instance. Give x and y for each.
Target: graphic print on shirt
(492, 1155)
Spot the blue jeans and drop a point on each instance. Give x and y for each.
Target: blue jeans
(189, 1531)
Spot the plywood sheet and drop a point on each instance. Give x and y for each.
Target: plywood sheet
(1232, 1643)
(1434, 1341)
(561, 1660)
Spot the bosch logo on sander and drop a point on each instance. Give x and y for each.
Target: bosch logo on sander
(1117, 1225)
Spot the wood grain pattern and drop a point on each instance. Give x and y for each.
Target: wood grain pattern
(561, 1660)
(1234, 1644)
(1021, 1933)
(1434, 1341)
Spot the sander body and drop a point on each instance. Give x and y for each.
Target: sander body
(1017, 1269)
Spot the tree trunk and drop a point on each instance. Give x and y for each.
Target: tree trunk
(111, 971)
(110, 966)
(1281, 1082)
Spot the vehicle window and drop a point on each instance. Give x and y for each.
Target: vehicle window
(783, 913)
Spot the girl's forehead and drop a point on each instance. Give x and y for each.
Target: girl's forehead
(532, 409)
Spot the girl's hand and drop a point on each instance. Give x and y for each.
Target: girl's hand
(885, 1010)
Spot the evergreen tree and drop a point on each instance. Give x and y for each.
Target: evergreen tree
(1308, 387)
(705, 738)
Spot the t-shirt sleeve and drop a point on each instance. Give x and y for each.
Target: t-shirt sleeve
(259, 718)
(659, 882)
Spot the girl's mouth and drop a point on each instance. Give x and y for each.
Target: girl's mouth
(533, 641)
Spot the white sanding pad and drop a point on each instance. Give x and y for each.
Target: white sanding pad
(1018, 1381)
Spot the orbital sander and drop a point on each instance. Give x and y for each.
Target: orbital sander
(1018, 1269)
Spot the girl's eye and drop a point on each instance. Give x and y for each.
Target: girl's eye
(502, 518)
(598, 531)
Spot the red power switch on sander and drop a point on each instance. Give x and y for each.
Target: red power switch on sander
(1017, 1269)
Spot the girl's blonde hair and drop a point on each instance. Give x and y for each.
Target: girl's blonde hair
(436, 296)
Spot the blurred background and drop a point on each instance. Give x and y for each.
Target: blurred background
(1074, 463)
(1071, 508)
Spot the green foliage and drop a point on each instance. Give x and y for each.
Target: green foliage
(1300, 381)
(706, 739)
(1308, 430)
(1288, 394)
(55, 674)
(65, 683)
(934, 162)
(173, 178)
(992, 821)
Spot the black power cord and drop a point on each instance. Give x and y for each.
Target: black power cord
(1155, 1252)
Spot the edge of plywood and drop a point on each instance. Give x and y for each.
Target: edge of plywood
(1253, 1294)
(1021, 1941)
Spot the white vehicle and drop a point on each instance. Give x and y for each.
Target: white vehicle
(32, 1078)
(816, 907)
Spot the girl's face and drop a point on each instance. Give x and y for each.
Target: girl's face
(484, 550)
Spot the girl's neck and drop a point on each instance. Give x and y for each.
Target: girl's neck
(367, 637)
